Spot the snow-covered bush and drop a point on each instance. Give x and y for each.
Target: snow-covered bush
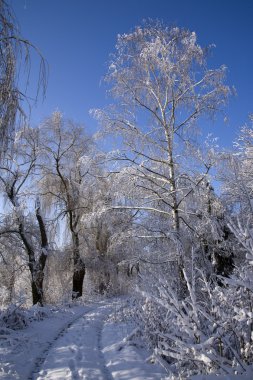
(14, 318)
(209, 331)
(38, 313)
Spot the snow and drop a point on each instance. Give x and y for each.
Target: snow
(22, 350)
(80, 342)
(126, 358)
(248, 376)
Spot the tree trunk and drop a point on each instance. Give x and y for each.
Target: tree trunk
(182, 284)
(78, 277)
(36, 268)
(173, 190)
(37, 287)
(37, 293)
(43, 254)
(221, 259)
(73, 220)
(79, 269)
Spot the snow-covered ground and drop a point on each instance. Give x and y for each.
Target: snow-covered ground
(82, 342)
(248, 376)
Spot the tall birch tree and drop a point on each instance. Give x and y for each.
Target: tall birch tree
(162, 92)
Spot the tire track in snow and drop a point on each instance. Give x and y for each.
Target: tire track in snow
(39, 361)
(76, 351)
(108, 375)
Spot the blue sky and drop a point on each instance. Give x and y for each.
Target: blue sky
(77, 36)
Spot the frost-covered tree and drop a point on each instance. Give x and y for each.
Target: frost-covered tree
(236, 175)
(236, 179)
(17, 185)
(162, 91)
(108, 234)
(10, 266)
(210, 330)
(162, 87)
(15, 53)
(67, 156)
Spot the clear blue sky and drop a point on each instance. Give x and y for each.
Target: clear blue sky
(77, 36)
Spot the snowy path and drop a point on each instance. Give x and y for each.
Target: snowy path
(23, 351)
(77, 353)
(78, 343)
(39, 361)
(81, 343)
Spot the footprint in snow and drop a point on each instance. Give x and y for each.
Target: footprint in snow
(72, 349)
(79, 355)
(73, 369)
(42, 375)
(72, 364)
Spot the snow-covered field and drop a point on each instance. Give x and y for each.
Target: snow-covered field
(81, 342)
